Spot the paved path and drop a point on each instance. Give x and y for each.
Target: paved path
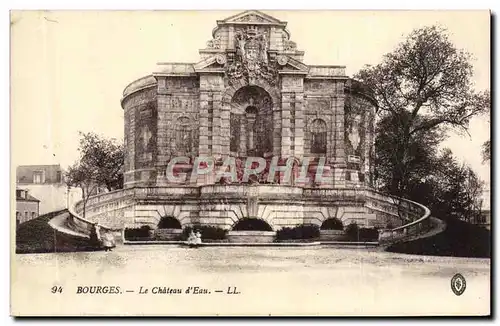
(310, 280)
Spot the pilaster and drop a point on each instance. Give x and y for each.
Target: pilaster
(339, 159)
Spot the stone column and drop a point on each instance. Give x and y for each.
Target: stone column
(230, 41)
(286, 132)
(225, 130)
(163, 125)
(242, 149)
(339, 159)
(250, 123)
(214, 117)
(216, 124)
(276, 130)
(292, 116)
(299, 125)
(205, 102)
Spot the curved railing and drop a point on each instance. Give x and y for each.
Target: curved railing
(107, 209)
(416, 215)
(83, 225)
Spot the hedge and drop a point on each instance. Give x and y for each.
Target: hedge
(355, 233)
(299, 232)
(208, 232)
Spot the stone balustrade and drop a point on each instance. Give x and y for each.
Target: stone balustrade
(109, 209)
(327, 71)
(251, 236)
(416, 216)
(249, 190)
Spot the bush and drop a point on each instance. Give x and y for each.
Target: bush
(142, 233)
(332, 224)
(355, 233)
(208, 232)
(299, 232)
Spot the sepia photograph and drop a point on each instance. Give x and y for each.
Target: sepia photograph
(250, 163)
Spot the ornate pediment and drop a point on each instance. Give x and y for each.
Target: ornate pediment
(216, 62)
(253, 16)
(291, 65)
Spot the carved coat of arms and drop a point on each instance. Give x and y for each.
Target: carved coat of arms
(251, 59)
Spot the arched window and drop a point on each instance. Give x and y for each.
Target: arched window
(318, 136)
(252, 224)
(332, 224)
(169, 222)
(184, 136)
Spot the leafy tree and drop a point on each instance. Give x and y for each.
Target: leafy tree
(451, 190)
(99, 165)
(424, 85)
(418, 159)
(82, 176)
(105, 156)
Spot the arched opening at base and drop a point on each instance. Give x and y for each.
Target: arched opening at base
(332, 224)
(169, 222)
(252, 224)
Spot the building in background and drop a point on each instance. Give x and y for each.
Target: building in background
(27, 206)
(46, 183)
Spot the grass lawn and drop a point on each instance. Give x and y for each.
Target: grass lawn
(37, 236)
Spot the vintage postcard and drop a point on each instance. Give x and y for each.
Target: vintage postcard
(250, 163)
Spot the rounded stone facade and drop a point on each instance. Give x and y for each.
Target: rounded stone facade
(249, 96)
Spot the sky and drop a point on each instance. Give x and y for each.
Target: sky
(69, 68)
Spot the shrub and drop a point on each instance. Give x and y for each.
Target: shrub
(368, 234)
(332, 224)
(352, 231)
(208, 232)
(142, 233)
(355, 233)
(299, 232)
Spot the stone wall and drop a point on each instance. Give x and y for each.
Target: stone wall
(225, 205)
(251, 236)
(140, 134)
(109, 209)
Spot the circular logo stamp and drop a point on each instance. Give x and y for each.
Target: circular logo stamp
(458, 284)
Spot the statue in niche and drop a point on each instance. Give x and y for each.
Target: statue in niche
(318, 132)
(146, 137)
(354, 132)
(184, 136)
(253, 129)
